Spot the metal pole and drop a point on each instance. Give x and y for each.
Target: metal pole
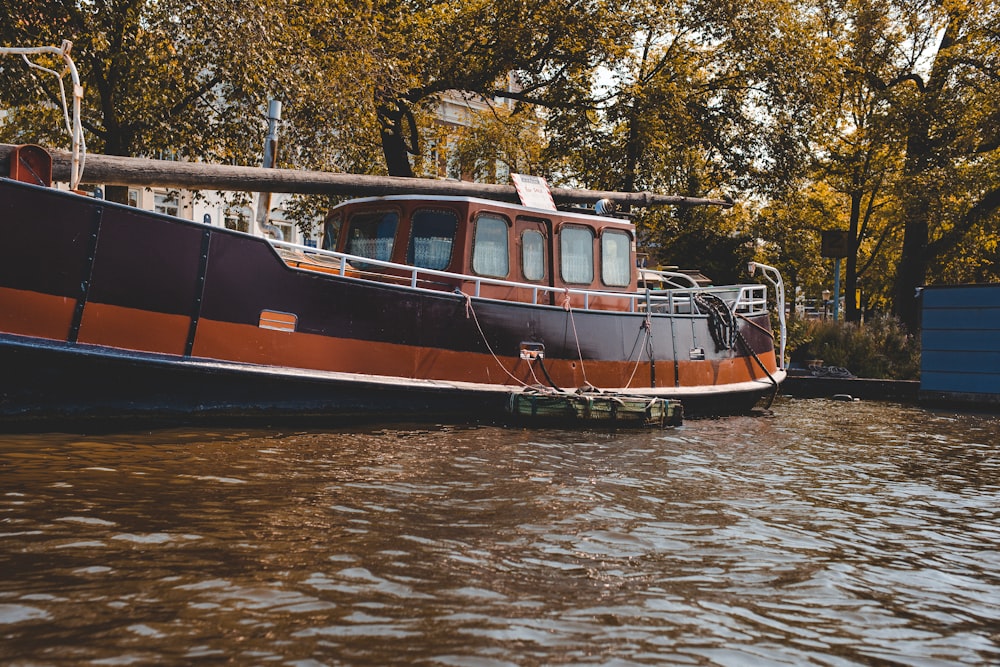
(836, 287)
(270, 158)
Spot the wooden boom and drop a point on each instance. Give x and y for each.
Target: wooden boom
(115, 170)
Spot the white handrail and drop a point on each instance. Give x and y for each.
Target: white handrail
(675, 278)
(74, 126)
(773, 276)
(676, 301)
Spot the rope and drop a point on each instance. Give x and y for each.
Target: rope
(774, 394)
(725, 332)
(470, 311)
(638, 357)
(766, 332)
(618, 397)
(721, 321)
(566, 306)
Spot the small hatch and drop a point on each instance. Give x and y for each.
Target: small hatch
(277, 320)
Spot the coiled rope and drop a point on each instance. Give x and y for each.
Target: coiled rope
(725, 331)
(721, 321)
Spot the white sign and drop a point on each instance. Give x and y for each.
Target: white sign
(533, 191)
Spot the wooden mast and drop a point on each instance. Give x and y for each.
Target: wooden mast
(142, 172)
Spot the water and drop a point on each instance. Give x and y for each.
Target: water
(825, 534)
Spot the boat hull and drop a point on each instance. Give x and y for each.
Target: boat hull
(109, 311)
(48, 385)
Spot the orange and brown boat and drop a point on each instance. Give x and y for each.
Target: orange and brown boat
(414, 306)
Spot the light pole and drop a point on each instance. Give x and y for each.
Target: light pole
(826, 303)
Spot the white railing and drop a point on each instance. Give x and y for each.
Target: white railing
(773, 276)
(742, 299)
(667, 279)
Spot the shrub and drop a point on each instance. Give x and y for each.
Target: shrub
(878, 348)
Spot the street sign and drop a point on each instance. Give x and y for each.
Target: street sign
(835, 244)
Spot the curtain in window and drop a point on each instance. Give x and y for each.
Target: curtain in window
(432, 238)
(533, 255)
(577, 255)
(489, 248)
(615, 268)
(372, 235)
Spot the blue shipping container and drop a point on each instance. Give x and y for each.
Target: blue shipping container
(960, 344)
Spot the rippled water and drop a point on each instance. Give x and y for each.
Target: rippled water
(824, 534)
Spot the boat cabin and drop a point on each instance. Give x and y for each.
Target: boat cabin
(487, 248)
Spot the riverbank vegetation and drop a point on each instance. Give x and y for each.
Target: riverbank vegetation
(881, 348)
(878, 118)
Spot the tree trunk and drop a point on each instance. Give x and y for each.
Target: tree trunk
(851, 312)
(141, 172)
(920, 152)
(911, 273)
(394, 120)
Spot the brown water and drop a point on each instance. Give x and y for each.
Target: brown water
(825, 534)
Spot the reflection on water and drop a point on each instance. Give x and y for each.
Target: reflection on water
(825, 534)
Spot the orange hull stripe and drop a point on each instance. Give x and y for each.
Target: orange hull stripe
(45, 316)
(133, 329)
(35, 314)
(234, 342)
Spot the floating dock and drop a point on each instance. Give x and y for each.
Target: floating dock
(592, 408)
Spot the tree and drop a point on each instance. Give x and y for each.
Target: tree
(473, 46)
(789, 231)
(858, 153)
(703, 102)
(158, 76)
(495, 143)
(946, 94)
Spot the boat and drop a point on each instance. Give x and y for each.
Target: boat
(414, 306)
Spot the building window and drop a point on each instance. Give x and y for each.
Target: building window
(616, 269)
(489, 246)
(533, 255)
(237, 219)
(577, 254)
(431, 237)
(454, 168)
(502, 172)
(165, 203)
(287, 230)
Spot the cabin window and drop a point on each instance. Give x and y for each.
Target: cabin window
(489, 247)
(371, 234)
(616, 269)
(577, 254)
(533, 255)
(331, 228)
(431, 238)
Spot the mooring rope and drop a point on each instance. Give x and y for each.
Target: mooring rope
(569, 309)
(638, 357)
(471, 312)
